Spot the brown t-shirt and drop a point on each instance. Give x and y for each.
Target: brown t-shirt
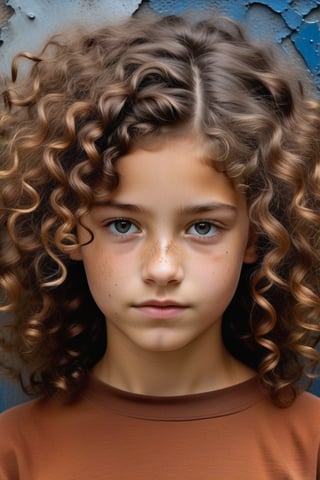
(231, 434)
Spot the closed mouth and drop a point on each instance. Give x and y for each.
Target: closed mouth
(161, 304)
(161, 310)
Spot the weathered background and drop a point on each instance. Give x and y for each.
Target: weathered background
(25, 24)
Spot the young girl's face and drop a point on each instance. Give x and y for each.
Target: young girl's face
(168, 247)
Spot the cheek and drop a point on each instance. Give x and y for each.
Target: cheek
(103, 287)
(99, 275)
(107, 276)
(219, 273)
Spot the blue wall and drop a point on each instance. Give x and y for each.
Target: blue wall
(292, 23)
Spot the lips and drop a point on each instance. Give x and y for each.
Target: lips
(160, 309)
(161, 304)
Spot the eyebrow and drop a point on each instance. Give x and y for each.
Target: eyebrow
(208, 207)
(183, 210)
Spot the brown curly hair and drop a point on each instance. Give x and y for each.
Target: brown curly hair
(87, 99)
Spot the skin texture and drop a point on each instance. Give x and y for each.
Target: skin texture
(174, 230)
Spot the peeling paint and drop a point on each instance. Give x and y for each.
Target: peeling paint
(265, 23)
(292, 18)
(277, 6)
(34, 20)
(165, 7)
(278, 20)
(307, 41)
(303, 7)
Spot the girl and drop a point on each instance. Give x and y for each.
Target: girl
(160, 258)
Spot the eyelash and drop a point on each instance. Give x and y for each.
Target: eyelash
(112, 226)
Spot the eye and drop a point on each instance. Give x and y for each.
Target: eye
(203, 229)
(122, 226)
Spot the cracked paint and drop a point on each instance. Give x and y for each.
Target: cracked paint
(34, 20)
(279, 20)
(294, 21)
(307, 41)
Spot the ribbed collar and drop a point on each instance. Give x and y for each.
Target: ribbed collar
(226, 401)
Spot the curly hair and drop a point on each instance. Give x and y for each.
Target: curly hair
(88, 98)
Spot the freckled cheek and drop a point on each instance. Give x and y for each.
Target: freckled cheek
(106, 275)
(103, 265)
(99, 275)
(219, 270)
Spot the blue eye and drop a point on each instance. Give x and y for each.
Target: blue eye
(203, 229)
(122, 227)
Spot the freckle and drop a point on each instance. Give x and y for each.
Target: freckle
(153, 249)
(227, 252)
(169, 247)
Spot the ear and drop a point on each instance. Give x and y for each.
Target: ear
(250, 254)
(76, 254)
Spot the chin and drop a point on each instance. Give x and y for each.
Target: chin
(162, 345)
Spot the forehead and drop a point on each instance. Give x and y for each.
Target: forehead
(176, 169)
(167, 153)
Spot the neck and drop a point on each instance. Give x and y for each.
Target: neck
(203, 366)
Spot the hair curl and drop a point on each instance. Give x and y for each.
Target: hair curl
(87, 99)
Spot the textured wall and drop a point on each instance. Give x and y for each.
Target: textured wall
(294, 24)
(25, 24)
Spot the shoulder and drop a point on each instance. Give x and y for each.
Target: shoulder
(7, 416)
(14, 425)
(32, 421)
(307, 403)
(28, 428)
(301, 418)
(306, 410)
(25, 418)
(13, 418)
(307, 407)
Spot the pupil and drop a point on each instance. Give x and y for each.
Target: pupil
(203, 227)
(123, 226)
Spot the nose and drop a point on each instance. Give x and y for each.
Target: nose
(162, 264)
